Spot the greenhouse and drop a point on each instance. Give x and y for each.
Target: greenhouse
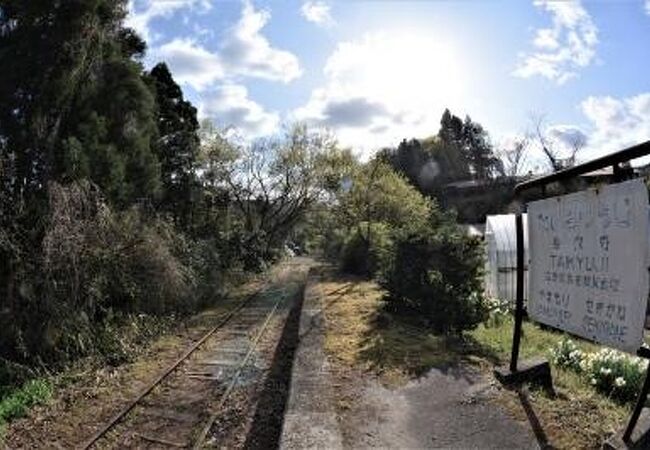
(501, 260)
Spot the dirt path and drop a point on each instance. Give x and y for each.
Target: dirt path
(444, 409)
(381, 396)
(175, 411)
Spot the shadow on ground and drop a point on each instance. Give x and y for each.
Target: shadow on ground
(363, 331)
(399, 343)
(266, 428)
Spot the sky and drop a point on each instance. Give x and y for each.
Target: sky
(377, 71)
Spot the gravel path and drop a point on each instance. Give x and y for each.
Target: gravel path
(332, 406)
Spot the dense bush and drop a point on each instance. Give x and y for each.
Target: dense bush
(93, 268)
(361, 255)
(436, 272)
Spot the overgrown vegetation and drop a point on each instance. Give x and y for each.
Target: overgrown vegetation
(383, 227)
(119, 213)
(436, 273)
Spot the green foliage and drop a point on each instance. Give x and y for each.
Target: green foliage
(177, 146)
(94, 262)
(567, 355)
(115, 125)
(470, 140)
(499, 312)
(610, 372)
(112, 209)
(379, 194)
(74, 104)
(362, 253)
(17, 403)
(436, 272)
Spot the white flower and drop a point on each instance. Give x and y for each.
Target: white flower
(619, 382)
(605, 371)
(594, 381)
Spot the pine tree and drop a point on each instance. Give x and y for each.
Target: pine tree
(470, 141)
(178, 143)
(75, 104)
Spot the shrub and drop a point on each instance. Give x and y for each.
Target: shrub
(360, 256)
(614, 373)
(436, 272)
(95, 267)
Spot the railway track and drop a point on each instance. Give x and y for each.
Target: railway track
(179, 407)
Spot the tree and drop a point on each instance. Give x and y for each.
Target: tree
(177, 146)
(559, 155)
(470, 140)
(379, 203)
(114, 124)
(479, 152)
(272, 183)
(514, 157)
(53, 48)
(380, 194)
(73, 106)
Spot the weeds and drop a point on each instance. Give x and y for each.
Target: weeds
(17, 403)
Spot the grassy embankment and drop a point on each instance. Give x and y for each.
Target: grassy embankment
(362, 335)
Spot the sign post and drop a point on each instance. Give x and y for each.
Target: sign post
(588, 257)
(588, 268)
(532, 370)
(519, 308)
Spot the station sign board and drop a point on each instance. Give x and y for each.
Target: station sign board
(588, 263)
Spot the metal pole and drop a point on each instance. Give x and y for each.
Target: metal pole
(640, 403)
(519, 308)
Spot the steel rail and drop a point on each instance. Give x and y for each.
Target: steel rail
(120, 415)
(198, 444)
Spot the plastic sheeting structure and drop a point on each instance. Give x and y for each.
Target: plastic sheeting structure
(501, 258)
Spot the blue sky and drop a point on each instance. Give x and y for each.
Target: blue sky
(375, 72)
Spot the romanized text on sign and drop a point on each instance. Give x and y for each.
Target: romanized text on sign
(588, 263)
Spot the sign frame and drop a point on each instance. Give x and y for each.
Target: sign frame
(619, 162)
(588, 263)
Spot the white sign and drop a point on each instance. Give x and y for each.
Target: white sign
(588, 271)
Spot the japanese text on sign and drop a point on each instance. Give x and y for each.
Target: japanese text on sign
(588, 273)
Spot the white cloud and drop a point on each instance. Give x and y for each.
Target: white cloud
(229, 105)
(317, 12)
(647, 7)
(567, 136)
(617, 122)
(560, 51)
(190, 63)
(142, 12)
(380, 89)
(245, 51)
